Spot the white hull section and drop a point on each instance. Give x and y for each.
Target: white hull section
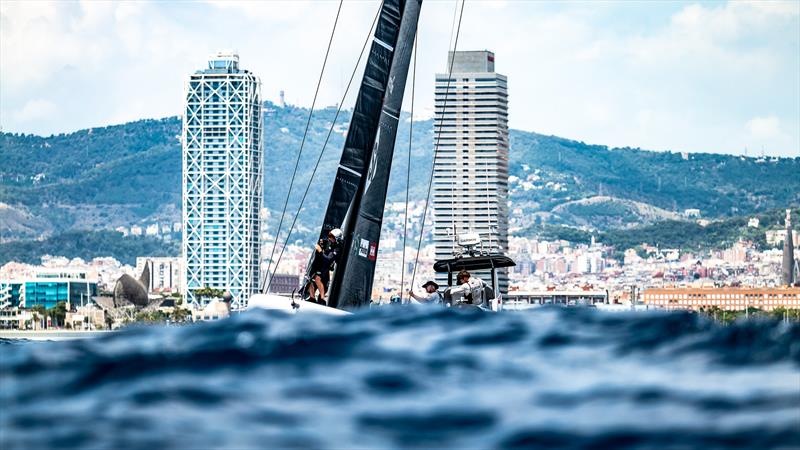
(280, 303)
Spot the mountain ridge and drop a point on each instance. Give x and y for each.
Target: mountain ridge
(126, 174)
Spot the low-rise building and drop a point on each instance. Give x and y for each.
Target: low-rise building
(776, 237)
(89, 317)
(283, 283)
(13, 318)
(48, 288)
(726, 298)
(571, 297)
(691, 213)
(214, 310)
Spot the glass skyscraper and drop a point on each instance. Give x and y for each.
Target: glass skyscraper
(470, 179)
(222, 180)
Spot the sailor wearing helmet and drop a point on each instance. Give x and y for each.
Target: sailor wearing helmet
(327, 252)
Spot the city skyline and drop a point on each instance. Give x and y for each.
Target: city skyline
(711, 77)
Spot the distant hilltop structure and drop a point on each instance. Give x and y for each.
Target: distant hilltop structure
(789, 265)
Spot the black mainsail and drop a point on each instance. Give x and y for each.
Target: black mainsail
(364, 123)
(352, 283)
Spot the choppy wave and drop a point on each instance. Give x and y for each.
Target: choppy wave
(396, 377)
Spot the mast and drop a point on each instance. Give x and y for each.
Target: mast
(352, 283)
(364, 123)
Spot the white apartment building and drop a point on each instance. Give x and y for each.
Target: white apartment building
(470, 182)
(222, 179)
(165, 273)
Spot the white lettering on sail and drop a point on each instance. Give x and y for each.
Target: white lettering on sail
(373, 161)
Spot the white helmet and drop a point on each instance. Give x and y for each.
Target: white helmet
(336, 233)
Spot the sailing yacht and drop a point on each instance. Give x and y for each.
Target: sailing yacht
(358, 196)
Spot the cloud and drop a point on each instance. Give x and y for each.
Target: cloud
(764, 127)
(36, 110)
(665, 75)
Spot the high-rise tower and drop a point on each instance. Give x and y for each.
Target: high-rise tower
(470, 182)
(222, 180)
(787, 271)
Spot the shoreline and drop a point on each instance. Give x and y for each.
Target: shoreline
(51, 335)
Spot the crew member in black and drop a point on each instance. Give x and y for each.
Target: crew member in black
(327, 252)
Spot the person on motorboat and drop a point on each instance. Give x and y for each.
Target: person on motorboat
(470, 289)
(432, 294)
(327, 252)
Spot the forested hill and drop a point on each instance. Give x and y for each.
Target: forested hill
(126, 174)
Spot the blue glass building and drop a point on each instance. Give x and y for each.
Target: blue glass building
(48, 292)
(48, 288)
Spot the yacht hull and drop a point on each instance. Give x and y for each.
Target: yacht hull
(274, 302)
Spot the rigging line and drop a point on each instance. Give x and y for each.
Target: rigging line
(436, 146)
(453, 25)
(302, 143)
(327, 138)
(455, 175)
(408, 172)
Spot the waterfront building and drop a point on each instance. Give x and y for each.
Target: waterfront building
(49, 287)
(165, 273)
(10, 293)
(215, 309)
(222, 179)
(563, 297)
(14, 318)
(726, 298)
(284, 283)
(470, 180)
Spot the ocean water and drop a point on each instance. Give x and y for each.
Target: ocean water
(411, 378)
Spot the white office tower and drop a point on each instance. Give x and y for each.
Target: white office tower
(470, 182)
(222, 180)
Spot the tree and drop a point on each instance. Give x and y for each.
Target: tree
(208, 292)
(40, 313)
(178, 298)
(180, 314)
(58, 313)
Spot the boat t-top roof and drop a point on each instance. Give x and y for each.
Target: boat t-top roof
(473, 263)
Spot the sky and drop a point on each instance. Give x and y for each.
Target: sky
(720, 77)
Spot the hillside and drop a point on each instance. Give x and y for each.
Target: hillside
(87, 245)
(126, 174)
(683, 235)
